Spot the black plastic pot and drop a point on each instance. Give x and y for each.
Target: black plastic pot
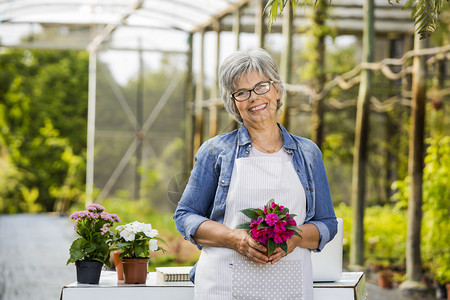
(88, 271)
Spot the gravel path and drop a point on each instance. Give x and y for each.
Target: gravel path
(33, 254)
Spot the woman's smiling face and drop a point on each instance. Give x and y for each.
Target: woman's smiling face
(257, 108)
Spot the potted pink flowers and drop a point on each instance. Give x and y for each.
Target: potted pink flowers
(271, 226)
(91, 250)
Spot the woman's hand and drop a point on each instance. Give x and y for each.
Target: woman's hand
(245, 245)
(309, 240)
(279, 253)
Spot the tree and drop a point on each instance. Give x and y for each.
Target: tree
(43, 104)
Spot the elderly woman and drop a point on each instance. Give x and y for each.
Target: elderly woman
(245, 169)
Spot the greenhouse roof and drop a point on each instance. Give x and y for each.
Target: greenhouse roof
(159, 25)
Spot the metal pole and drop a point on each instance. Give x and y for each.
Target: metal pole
(140, 133)
(198, 135)
(91, 126)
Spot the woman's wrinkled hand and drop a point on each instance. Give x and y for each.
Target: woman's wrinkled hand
(245, 245)
(292, 243)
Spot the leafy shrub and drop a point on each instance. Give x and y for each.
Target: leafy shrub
(436, 207)
(436, 210)
(385, 234)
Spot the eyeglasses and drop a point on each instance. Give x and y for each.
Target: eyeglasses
(259, 89)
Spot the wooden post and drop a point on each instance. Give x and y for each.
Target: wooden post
(237, 32)
(317, 114)
(213, 112)
(198, 129)
(188, 110)
(286, 61)
(237, 26)
(361, 137)
(259, 22)
(415, 170)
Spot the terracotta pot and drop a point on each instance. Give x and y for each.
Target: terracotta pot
(135, 270)
(447, 285)
(88, 271)
(118, 264)
(385, 279)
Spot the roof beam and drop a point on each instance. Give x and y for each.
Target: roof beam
(110, 28)
(227, 11)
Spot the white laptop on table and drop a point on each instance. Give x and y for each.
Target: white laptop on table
(327, 264)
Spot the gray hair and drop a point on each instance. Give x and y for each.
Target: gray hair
(241, 63)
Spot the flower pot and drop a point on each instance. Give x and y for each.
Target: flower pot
(88, 271)
(118, 264)
(447, 286)
(385, 279)
(135, 270)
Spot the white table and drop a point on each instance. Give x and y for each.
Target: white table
(351, 286)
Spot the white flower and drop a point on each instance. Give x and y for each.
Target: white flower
(127, 234)
(153, 245)
(148, 231)
(136, 226)
(120, 227)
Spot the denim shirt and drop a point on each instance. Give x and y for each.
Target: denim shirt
(205, 195)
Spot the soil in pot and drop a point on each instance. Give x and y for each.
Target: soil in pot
(88, 271)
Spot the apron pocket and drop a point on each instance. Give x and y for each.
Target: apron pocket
(282, 280)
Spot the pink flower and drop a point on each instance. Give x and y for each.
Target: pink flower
(93, 215)
(287, 234)
(104, 229)
(292, 222)
(278, 238)
(255, 223)
(279, 226)
(96, 208)
(271, 219)
(115, 218)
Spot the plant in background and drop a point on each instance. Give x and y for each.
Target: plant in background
(271, 226)
(136, 240)
(92, 225)
(436, 195)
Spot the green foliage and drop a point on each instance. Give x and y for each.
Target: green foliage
(274, 5)
(385, 233)
(43, 103)
(436, 209)
(425, 14)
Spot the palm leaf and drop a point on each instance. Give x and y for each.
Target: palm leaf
(425, 14)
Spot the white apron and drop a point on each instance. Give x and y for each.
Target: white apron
(223, 273)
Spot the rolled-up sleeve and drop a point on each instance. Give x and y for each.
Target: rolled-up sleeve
(197, 200)
(324, 217)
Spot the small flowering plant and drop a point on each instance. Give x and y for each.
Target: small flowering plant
(136, 240)
(92, 225)
(271, 226)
